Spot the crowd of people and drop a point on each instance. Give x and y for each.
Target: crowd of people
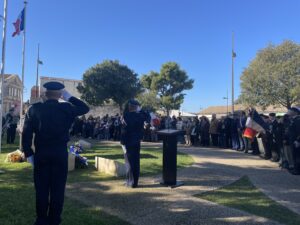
(225, 132)
(278, 142)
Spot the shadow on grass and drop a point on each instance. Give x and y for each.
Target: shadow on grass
(19, 208)
(243, 195)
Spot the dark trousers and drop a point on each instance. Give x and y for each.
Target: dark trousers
(215, 139)
(235, 141)
(254, 147)
(222, 140)
(296, 159)
(132, 162)
(275, 150)
(246, 142)
(228, 143)
(50, 176)
(11, 134)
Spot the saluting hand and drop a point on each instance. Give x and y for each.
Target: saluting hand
(65, 95)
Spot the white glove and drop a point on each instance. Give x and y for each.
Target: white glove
(138, 109)
(124, 149)
(65, 95)
(297, 144)
(30, 159)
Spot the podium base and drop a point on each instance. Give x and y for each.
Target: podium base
(177, 184)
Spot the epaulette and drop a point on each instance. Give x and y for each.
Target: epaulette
(34, 105)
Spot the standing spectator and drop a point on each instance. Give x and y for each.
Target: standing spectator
(106, 131)
(89, 128)
(173, 123)
(117, 128)
(11, 122)
(204, 131)
(222, 133)
(285, 152)
(234, 132)
(147, 132)
(294, 138)
(227, 129)
(188, 130)
(179, 126)
(275, 151)
(244, 142)
(195, 132)
(213, 130)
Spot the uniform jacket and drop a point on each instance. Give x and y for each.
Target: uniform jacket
(132, 129)
(50, 122)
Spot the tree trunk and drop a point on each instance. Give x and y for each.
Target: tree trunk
(288, 103)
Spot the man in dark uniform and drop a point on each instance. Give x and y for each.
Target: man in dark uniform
(131, 135)
(50, 122)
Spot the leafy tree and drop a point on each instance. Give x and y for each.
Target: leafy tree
(109, 81)
(149, 100)
(168, 85)
(273, 77)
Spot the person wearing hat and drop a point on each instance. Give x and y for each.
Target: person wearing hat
(294, 138)
(131, 135)
(50, 121)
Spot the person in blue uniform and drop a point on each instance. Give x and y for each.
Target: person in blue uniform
(131, 135)
(50, 121)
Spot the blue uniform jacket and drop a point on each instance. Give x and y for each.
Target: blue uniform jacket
(132, 130)
(50, 122)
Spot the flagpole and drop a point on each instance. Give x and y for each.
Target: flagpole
(37, 73)
(232, 78)
(3, 66)
(23, 70)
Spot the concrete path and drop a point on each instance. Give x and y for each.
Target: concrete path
(152, 204)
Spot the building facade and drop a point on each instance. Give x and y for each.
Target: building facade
(12, 90)
(71, 86)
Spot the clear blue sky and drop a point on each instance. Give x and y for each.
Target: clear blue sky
(76, 34)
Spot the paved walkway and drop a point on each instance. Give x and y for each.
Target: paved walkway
(152, 204)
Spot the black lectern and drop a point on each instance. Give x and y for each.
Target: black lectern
(169, 138)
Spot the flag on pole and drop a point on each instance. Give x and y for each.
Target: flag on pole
(19, 24)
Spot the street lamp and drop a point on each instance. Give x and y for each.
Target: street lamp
(226, 101)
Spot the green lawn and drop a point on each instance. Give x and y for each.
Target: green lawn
(151, 161)
(243, 195)
(17, 192)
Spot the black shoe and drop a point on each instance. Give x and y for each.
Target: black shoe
(274, 160)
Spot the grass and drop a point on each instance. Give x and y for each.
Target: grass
(17, 191)
(151, 162)
(243, 195)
